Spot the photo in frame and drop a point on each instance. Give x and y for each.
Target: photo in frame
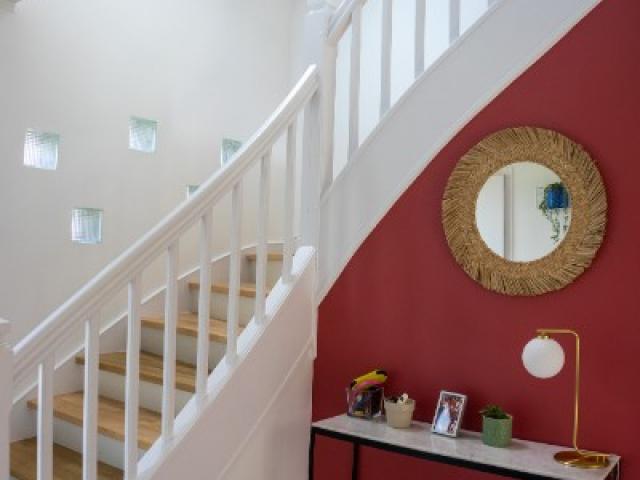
(449, 413)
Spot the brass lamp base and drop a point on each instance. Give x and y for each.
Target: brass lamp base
(582, 459)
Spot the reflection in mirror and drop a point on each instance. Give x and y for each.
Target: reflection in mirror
(523, 212)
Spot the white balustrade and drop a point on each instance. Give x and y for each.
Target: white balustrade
(289, 199)
(90, 413)
(6, 397)
(261, 250)
(204, 307)
(454, 20)
(45, 419)
(354, 84)
(169, 351)
(421, 12)
(132, 381)
(233, 308)
(385, 61)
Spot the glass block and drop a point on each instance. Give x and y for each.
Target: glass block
(86, 225)
(143, 134)
(191, 189)
(228, 149)
(41, 149)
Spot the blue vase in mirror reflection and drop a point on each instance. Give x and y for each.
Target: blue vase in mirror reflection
(557, 197)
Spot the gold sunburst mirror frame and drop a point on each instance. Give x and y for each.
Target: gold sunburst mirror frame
(571, 257)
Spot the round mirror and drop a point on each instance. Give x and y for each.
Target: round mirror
(523, 211)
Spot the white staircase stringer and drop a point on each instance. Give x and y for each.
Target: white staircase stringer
(490, 55)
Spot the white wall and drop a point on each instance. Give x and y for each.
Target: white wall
(204, 69)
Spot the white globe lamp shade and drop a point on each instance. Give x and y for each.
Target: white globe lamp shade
(543, 357)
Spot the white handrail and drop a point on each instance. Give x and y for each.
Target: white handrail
(36, 347)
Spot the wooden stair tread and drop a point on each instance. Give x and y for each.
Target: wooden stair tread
(246, 289)
(188, 325)
(151, 368)
(67, 464)
(271, 256)
(69, 407)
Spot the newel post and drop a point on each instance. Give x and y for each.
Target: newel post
(317, 168)
(6, 397)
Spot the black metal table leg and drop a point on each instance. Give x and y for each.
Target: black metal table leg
(355, 461)
(312, 446)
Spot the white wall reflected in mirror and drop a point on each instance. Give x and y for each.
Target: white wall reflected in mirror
(523, 212)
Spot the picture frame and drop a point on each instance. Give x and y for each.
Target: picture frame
(449, 413)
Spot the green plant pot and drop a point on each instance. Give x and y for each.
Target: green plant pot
(496, 433)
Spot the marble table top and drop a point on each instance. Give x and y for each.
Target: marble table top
(522, 456)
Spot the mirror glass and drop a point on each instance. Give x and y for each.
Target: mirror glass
(523, 212)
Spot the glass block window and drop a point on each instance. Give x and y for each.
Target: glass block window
(191, 189)
(41, 149)
(86, 225)
(143, 134)
(228, 149)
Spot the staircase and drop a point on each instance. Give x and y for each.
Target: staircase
(68, 407)
(169, 391)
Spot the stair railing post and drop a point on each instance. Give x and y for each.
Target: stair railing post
(319, 119)
(6, 397)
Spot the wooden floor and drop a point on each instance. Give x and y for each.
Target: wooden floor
(67, 464)
(151, 368)
(246, 289)
(188, 325)
(69, 407)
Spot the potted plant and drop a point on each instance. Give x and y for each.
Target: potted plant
(496, 426)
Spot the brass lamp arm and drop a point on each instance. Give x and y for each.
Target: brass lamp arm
(546, 333)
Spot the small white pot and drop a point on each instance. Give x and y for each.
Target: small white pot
(399, 415)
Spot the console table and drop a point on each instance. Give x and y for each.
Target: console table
(523, 459)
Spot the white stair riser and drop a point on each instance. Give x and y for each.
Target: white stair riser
(110, 450)
(112, 386)
(274, 271)
(219, 302)
(153, 342)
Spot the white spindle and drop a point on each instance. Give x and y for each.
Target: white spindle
(233, 309)
(169, 351)
(289, 204)
(132, 382)
(328, 113)
(90, 414)
(454, 20)
(421, 14)
(204, 307)
(261, 250)
(354, 88)
(45, 419)
(6, 397)
(385, 61)
(310, 178)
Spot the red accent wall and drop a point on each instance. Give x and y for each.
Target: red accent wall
(403, 304)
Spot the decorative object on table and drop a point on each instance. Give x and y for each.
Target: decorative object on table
(365, 394)
(399, 411)
(228, 150)
(496, 426)
(449, 412)
(554, 205)
(543, 357)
